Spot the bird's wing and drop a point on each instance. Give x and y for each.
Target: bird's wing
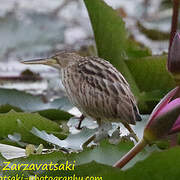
(106, 83)
(104, 77)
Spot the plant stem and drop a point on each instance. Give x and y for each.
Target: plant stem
(127, 157)
(174, 23)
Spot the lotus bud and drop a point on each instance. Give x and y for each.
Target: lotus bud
(174, 58)
(164, 120)
(165, 117)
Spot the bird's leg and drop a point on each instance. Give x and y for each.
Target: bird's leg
(128, 127)
(80, 121)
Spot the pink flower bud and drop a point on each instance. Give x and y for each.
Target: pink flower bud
(165, 118)
(174, 55)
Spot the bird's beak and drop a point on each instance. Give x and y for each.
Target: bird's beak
(45, 61)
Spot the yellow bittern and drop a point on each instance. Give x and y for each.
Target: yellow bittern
(95, 87)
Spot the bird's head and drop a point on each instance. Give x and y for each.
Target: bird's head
(59, 60)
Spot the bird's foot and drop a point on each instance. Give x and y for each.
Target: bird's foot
(115, 138)
(102, 133)
(126, 138)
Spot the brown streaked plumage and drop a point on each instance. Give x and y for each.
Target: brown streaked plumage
(95, 87)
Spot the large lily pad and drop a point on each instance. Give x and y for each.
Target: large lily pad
(30, 103)
(22, 101)
(160, 165)
(101, 154)
(21, 123)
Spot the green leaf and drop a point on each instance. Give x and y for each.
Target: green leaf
(158, 166)
(1, 159)
(52, 114)
(55, 114)
(153, 79)
(108, 154)
(9, 123)
(6, 108)
(91, 170)
(104, 153)
(162, 165)
(165, 162)
(73, 141)
(30, 103)
(21, 101)
(151, 74)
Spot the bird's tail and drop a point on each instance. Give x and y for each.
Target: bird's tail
(137, 114)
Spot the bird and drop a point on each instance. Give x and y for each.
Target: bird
(95, 87)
